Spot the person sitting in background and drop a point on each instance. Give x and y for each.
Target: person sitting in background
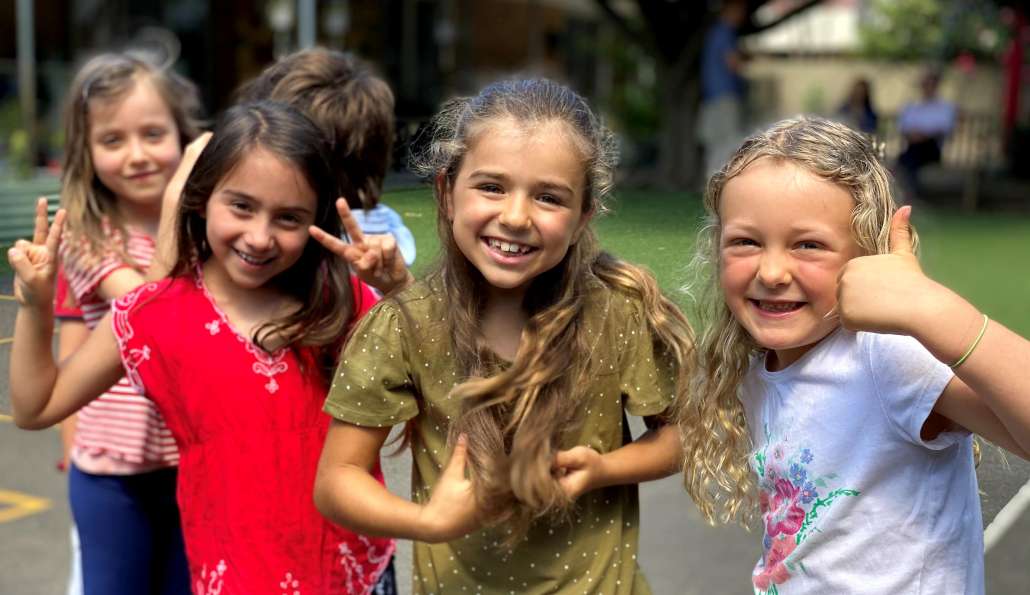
(924, 125)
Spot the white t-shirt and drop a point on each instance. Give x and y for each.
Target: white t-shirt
(853, 500)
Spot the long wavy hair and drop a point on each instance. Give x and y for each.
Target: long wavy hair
(715, 437)
(93, 218)
(318, 280)
(516, 418)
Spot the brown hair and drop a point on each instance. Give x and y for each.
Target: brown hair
(354, 107)
(109, 77)
(714, 430)
(318, 280)
(515, 418)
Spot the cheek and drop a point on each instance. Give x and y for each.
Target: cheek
(105, 163)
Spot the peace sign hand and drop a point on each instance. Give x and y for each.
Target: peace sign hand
(35, 262)
(375, 259)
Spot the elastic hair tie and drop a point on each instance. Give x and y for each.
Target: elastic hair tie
(983, 329)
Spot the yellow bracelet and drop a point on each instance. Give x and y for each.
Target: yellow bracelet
(983, 329)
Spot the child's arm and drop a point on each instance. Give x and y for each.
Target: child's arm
(654, 455)
(347, 494)
(40, 395)
(71, 335)
(890, 294)
(166, 251)
(375, 259)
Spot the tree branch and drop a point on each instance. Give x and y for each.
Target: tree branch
(621, 22)
(751, 28)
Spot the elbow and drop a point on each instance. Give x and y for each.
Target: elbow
(30, 423)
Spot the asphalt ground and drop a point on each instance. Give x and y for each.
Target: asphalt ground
(680, 553)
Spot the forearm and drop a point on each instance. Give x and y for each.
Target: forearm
(654, 455)
(33, 371)
(996, 370)
(349, 496)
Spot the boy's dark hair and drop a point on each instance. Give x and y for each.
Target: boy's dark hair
(351, 104)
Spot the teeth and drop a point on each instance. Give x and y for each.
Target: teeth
(509, 247)
(778, 306)
(250, 259)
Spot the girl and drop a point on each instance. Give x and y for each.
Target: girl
(234, 350)
(528, 343)
(860, 442)
(126, 123)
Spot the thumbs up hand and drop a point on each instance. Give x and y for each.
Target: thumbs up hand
(886, 293)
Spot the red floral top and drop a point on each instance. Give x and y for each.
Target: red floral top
(250, 429)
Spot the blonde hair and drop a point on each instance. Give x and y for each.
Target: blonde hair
(712, 423)
(107, 77)
(515, 419)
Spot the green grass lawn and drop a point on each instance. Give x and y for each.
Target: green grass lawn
(985, 257)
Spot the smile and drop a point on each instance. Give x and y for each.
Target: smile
(252, 260)
(508, 246)
(776, 307)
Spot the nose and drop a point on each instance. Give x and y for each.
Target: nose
(774, 269)
(259, 236)
(515, 212)
(137, 152)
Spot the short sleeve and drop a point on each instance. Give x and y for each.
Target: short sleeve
(84, 270)
(908, 380)
(647, 373)
(65, 306)
(373, 385)
(128, 321)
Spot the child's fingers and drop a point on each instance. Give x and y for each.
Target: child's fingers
(388, 248)
(333, 243)
(39, 232)
(456, 466)
(53, 239)
(834, 312)
(20, 263)
(350, 224)
(901, 231)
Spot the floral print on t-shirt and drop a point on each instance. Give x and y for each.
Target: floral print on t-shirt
(790, 500)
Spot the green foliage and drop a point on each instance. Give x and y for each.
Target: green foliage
(935, 30)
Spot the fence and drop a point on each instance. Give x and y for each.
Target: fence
(18, 206)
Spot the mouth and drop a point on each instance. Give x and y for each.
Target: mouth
(142, 176)
(776, 307)
(253, 260)
(508, 247)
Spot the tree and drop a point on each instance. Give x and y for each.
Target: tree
(932, 30)
(672, 32)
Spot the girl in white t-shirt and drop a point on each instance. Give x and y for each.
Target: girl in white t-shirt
(857, 446)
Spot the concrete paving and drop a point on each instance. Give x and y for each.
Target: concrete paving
(680, 554)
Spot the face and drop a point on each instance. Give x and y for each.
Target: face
(516, 204)
(257, 219)
(785, 235)
(134, 144)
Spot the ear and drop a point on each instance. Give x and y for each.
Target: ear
(445, 194)
(584, 221)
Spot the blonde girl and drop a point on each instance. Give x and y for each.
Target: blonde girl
(126, 122)
(516, 360)
(859, 443)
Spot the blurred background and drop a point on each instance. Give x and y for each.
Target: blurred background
(640, 63)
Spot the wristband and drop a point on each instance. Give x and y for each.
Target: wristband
(983, 329)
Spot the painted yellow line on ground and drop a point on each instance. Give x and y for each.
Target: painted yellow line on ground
(7, 298)
(15, 505)
(6, 340)
(7, 418)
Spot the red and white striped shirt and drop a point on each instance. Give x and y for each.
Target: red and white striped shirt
(120, 432)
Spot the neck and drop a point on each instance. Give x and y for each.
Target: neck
(502, 321)
(247, 309)
(145, 217)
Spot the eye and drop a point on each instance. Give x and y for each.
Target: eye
(550, 199)
(734, 242)
(155, 133)
(241, 206)
(109, 140)
(290, 219)
(809, 245)
(490, 188)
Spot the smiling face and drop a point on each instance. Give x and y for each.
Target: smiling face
(257, 220)
(134, 145)
(516, 203)
(785, 234)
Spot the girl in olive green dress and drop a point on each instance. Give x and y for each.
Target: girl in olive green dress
(513, 365)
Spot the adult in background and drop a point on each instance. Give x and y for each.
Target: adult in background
(924, 124)
(857, 110)
(722, 87)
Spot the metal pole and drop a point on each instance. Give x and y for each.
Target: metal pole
(27, 75)
(305, 24)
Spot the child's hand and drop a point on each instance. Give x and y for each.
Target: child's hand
(579, 470)
(886, 293)
(375, 259)
(451, 511)
(173, 191)
(35, 262)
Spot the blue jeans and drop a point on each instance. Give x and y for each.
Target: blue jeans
(130, 533)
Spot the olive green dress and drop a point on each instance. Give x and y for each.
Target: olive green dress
(398, 366)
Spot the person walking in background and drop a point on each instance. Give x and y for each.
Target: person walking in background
(723, 88)
(924, 125)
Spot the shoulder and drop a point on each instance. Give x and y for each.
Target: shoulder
(415, 309)
(166, 292)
